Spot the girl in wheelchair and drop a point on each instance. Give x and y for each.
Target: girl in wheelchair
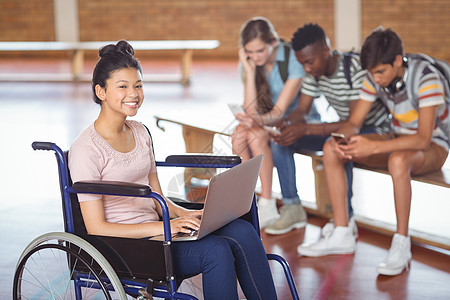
(114, 148)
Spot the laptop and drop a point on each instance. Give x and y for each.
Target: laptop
(229, 197)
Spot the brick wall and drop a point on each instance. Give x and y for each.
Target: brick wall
(199, 19)
(23, 20)
(422, 24)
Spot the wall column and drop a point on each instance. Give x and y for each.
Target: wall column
(347, 24)
(66, 20)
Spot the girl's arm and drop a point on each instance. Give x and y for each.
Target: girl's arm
(174, 209)
(250, 92)
(95, 222)
(290, 91)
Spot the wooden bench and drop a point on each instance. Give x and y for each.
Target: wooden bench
(200, 139)
(439, 178)
(77, 58)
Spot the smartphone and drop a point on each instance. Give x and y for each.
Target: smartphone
(339, 138)
(236, 108)
(271, 129)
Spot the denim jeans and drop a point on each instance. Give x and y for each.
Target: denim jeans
(233, 250)
(283, 159)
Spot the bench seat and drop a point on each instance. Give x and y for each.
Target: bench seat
(440, 177)
(77, 58)
(200, 139)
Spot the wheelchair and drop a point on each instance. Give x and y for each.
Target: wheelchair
(76, 265)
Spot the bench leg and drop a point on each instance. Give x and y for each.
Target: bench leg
(322, 194)
(197, 141)
(77, 63)
(186, 63)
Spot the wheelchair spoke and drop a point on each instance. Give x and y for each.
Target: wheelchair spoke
(46, 275)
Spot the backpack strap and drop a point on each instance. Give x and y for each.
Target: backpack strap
(346, 61)
(283, 65)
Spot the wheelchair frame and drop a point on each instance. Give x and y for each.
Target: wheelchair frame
(87, 258)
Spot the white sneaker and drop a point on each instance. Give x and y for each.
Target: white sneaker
(398, 258)
(340, 241)
(329, 227)
(267, 211)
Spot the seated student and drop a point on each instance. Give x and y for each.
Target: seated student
(325, 76)
(414, 92)
(267, 99)
(114, 148)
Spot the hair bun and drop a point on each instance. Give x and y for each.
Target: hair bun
(121, 47)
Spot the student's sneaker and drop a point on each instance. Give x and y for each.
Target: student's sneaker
(329, 227)
(267, 211)
(340, 241)
(398, 258)
(291, 216)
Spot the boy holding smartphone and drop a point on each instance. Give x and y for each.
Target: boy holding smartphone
(325, 75)
(414, 92)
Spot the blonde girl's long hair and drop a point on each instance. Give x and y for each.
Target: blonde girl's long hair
(260, 28)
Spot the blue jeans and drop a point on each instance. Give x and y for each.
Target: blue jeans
(233, 250)
(283, 159)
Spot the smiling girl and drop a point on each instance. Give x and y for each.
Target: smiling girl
(114, 148)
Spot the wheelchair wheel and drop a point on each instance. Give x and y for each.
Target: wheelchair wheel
(61, 265)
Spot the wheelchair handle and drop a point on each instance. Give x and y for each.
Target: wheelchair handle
(42, 145)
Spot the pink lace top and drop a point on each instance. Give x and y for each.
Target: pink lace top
(92, 158)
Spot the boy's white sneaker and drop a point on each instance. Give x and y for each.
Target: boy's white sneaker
(267, 211)
(339, 241)
(329, 227)
(398, 257)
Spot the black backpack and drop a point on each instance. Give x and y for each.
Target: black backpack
(347, 61)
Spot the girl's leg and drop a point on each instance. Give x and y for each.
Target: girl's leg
(252, 266)
(239, 142)
(259, 142)
(212, 257)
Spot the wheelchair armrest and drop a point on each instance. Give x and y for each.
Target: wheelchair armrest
(203, 159)
(112, 188)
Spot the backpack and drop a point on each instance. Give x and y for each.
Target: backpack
(443, 68)
(283, 65)
(441, 65)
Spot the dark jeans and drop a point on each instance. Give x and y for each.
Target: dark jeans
(234, 250)
(283, 158)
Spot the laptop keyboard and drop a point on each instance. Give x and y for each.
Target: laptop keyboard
(185, 234)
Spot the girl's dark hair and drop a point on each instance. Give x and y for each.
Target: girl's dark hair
(380, 47)
(261, 28)
(113, 58)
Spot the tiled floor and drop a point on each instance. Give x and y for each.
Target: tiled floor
(29, 201)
